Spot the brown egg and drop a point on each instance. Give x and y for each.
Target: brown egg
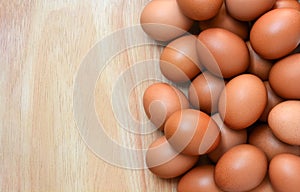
(179, 61)
(284, 172)
(229, 138)
(264, 186)
(162, 20)
(204, 92)
(273, 100)
(165, 162)
(242, 101)
(242, 168)
(285, 77)
(160, 100)
(201, 9)
(225, 21)
(263, 138)
(248, 10)
(222, 52)
(285, 122)
(258, 66)
(198, 179)
(192, 132)
(293, 4)
(276, 33)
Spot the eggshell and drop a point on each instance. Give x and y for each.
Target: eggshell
(225, 21)
(293, 4)
(179, 61)
(258, 66)
(242, 168)
(192, 132)
(165, 162)
(285, 122)
(265, 186)
(284, 172)
(276, 33)
(198, 179)
(263, 138)
(160, 100)
(204, 92)
(285, 77)
(222, 52)
(247, 10)
(200, 9)
(273, 100)
(229, 138)
(242, 101)
(162, 20)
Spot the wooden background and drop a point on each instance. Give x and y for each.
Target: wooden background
(42, 44)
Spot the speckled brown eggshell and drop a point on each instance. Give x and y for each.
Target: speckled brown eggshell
(204, 92)
(285, 77)
(165, 162)
(192, 132)
(200, 178)
(284, 173)
(160, 100)
(263, 138)
(179, 61)
(292, 4)
(222, 52)
(225, 21)
(248, 10)
(276, 33)
(229, 138)
(284, 121)
(264, 186)
(242, 101)
(273, 100)
(258, 66)
(162, 20)
(242, 168)
(200, 9)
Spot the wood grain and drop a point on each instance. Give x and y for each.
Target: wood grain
(42, 46)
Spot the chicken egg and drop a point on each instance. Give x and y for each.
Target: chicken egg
(160, 100)
(248, 10)
(284, 172)
(242, 101)
(204, 92)
(222, 52)
(284, 121)
(201, 9)
(241, 168)
(179, 61)
(200, 178)
(192, 132)
(276, 33)
(162, 20)
(165, 162)
(285, 77)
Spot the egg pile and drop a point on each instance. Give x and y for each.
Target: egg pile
(241, 60)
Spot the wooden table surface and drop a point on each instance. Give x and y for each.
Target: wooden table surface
(42, 46)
